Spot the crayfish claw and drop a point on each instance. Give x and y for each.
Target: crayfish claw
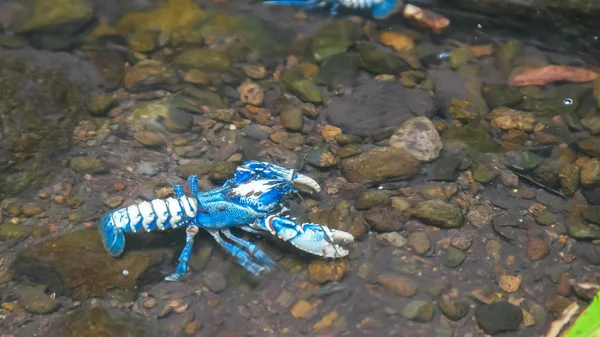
(323, 241)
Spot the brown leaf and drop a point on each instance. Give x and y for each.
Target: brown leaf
(553, 73)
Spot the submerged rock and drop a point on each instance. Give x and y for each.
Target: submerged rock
(338, 71)
(438, 213)
(169, 16)
(34, 299)
(250, 34)
(97, 321)
(522, 161)
(335, 37)
(147, 75)
(451, 85)
(160, 113)
(77, 265)
(501, 95)
(508, 119)
(39, 109)
(379, 164)
(471, 136)
(54, 14)
(498, 317)
(419, 137)
(299, 85)
(203, 59)
(380, 60)
(378, 105)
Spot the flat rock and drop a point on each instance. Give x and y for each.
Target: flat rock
(419, 137)
(94, 322)
(498, 317)
(379, 164)
(378, 105)
(450, 84)
(77, 265)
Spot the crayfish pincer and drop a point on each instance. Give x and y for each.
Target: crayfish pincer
(252, 201)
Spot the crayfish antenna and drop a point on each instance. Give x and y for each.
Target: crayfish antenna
(113, 238)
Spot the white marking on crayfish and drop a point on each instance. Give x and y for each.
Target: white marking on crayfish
(174, 210)
(134, 215)
(254, 186)
(147, 214)
(162, 212)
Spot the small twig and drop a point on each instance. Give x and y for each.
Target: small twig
(540, 185)
(561, 321)
(93, 218)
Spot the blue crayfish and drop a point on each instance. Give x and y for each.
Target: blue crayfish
(381, 9)
(251, 201)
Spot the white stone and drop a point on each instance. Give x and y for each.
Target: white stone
(419, 137)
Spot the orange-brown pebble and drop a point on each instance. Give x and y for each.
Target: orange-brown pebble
(324, 271)
(329, 132)
(119, 186)
(398, 41)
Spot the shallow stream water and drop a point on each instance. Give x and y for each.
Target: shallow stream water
(473, 197)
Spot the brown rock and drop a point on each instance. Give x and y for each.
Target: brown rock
(506, 119)
(563, 286)
(400, 285)
(303, 309)
(329, 132)
(537, 249)
(379, 164)
(77, 265)
(251, 93)
(323, 271)
(509, 283)
(480, 215)
(419, 242)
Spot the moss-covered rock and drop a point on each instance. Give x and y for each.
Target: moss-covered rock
(379, 164)
(438, 213)
(39, 109)
(77, 265)
(54, 14)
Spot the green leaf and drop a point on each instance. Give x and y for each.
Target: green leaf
(588, 323)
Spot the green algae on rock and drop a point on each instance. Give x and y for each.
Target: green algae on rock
(148, 75)
(472, 136)
(438, 213)
(145, 115)
(34, 299)
(169, 16)
(380, 163)
(77, 265)
(305, 89)
(54, 14)
(501, 95)
(10, 231)
(379, 60)
(338, 71)
(97, 321)
(39, 112)
(90, 165)
(335, 37)
(203, 59)
(419, 311)
(216, 170)
(372, 198)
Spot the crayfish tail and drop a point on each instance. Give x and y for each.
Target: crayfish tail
(113, 238)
